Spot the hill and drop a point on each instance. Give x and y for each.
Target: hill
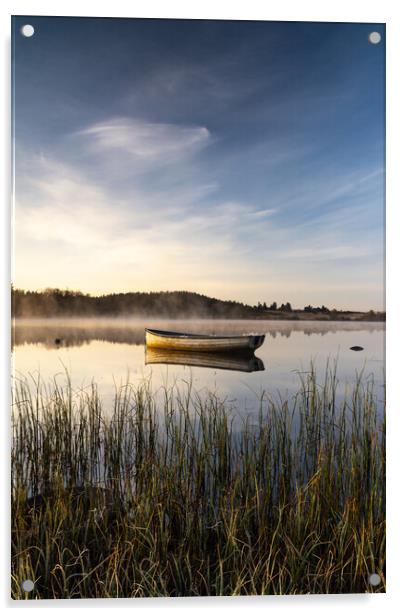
(164, 304)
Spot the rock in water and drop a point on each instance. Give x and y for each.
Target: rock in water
(356, 348)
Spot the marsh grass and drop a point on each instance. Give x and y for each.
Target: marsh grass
(174, 495)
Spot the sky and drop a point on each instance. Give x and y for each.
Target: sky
(241, 160)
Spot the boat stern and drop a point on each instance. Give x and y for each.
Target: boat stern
(258, 341)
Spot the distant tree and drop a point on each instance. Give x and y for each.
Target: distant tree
(273, 306)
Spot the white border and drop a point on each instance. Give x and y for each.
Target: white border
(288, 10)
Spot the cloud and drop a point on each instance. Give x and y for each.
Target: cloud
(325, 190)
(149, 142)
(55, 202)
(264, 213)
(320, 251)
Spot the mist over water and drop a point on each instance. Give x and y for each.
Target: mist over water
(111, 351)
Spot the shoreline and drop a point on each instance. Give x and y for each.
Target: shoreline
(349, 317)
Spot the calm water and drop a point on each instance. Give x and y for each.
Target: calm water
(111, 351)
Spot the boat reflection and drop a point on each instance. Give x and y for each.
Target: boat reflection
(221, 361)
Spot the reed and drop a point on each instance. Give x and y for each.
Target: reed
(175, 494)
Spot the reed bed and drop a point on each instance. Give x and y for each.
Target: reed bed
(176, 494)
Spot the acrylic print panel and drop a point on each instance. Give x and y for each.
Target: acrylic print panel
(198, 315)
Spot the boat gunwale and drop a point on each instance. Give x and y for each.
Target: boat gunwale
(170, 334)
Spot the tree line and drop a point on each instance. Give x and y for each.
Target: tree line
(163, 304)
(169, 304)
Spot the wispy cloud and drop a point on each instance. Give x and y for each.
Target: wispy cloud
(153, 143)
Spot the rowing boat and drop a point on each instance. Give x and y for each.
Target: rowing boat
(240, 362)
(202, 343)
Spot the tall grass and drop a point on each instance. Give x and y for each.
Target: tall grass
(176, 496)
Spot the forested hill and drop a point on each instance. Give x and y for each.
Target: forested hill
(176, 304)
(169, 304)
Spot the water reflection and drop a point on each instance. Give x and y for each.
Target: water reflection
(58, 333)
(222, 361)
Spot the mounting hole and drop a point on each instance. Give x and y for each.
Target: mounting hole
(374, 38)
(27, 30)
(374, 579)
(28, 585)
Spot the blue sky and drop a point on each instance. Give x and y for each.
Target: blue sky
(243, 160)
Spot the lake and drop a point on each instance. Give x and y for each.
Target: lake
(111, 351)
